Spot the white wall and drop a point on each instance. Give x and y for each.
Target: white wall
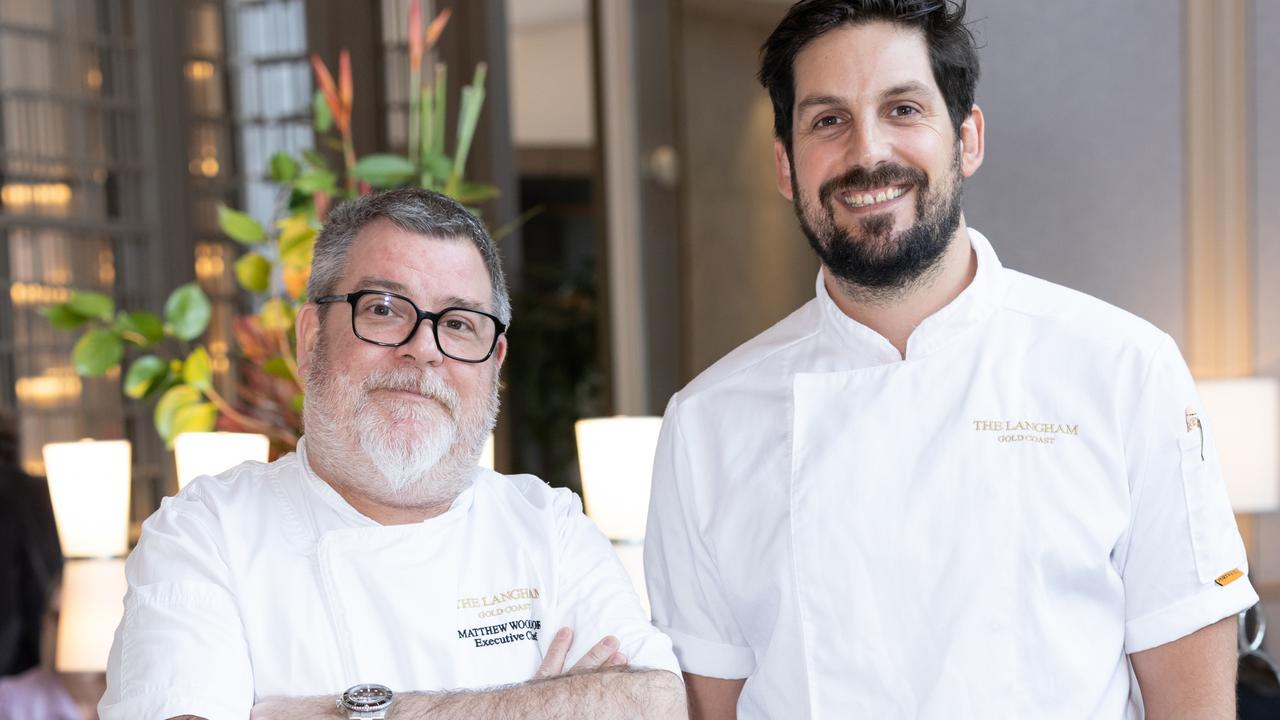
(746, 263)
(1266, 132)
(552, 91)
(1083, 178)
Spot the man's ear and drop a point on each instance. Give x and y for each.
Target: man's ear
(500, 351)
(782, 168)
(308, 329)
(972, 142)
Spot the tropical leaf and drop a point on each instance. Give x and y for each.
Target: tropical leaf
(197, 371)
(187, 312)
(96, 352)
(92, 305)
(253, 272)
(383, 171)
(140, 328)
(282, 168)
(276, 315)
(471, 193)
(144, 374)
(317, 180)
(240, 226)
(199, 417)
(62, 317)
(277, 367)
(173, 400)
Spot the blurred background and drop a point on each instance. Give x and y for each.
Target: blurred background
(1132, 153)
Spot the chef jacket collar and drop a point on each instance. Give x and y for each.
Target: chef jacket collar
(354, 517)
(972, 306)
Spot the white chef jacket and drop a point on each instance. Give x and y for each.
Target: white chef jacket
(984, 529)
(263, 581)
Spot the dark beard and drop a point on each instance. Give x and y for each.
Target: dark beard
(879, 265)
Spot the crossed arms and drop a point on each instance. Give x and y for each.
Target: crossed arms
(599, 685)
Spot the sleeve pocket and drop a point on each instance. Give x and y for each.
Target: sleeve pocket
(1214, 536)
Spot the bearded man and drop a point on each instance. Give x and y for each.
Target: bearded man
(378, 572)
(940, 489)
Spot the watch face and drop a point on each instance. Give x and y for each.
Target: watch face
(367, 697)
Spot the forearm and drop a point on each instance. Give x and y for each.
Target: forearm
(1192, 677)
(608, 692)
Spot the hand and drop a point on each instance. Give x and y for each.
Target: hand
(603, 654)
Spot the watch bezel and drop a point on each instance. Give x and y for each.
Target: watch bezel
(354, 704)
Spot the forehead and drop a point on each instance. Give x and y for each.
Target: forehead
(853, 60)
(429, 269)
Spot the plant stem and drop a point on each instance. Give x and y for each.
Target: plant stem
(250, 423)
(349, 157)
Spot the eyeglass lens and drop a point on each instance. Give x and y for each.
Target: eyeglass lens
(462, 334)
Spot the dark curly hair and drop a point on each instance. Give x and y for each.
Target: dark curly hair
(952, 53)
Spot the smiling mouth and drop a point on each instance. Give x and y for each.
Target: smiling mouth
(857, 199)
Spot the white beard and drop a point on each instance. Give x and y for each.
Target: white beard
(402, 453)
(403, 457)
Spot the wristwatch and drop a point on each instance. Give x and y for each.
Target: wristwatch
(366, 702)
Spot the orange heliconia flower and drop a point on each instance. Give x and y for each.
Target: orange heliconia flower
(436, 28)
(337, 96)
(346, 88)
(415, 40)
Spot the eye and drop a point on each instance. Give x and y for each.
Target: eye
(902, 111)
(453, 322)
(827, 121)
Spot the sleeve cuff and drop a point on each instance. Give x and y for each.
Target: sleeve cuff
(711, 659)
(1210, 605)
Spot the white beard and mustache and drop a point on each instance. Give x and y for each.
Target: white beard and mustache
(403, 453)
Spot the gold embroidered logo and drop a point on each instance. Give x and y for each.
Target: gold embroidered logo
(1227, 578)
(504, 603)
(1016, 431)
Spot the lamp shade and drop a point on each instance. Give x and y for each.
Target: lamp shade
(1245, 416)
(92, 605)
(89, 487)
(209, 453)
(615, 456)
(486, 453)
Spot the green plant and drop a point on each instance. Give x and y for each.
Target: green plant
(177, 369)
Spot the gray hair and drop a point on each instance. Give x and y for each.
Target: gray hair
(422, 212)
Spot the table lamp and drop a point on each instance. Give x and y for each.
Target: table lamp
(615, 456)
(209, 453)
(89, 486)
(1245, 416)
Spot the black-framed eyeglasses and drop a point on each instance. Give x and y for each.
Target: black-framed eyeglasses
(391, 320)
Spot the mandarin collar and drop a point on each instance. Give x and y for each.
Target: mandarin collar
(970, 308)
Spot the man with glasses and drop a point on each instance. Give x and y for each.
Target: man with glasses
(940, 489)
(378, 571)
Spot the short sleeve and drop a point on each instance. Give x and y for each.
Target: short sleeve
(180, 648)
(597, 597)
(680, 571)
(1184, 564)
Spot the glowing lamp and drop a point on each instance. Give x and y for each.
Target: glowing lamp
(615, 456)
(486, 454)
(92, 605)
(89, 487)
(1245, 416)
(209, 453)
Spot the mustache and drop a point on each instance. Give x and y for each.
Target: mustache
(859, 178)
(426, 384)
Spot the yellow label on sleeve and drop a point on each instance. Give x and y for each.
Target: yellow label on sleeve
(1227, 578)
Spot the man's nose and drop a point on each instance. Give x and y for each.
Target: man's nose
(422, 348)
(868, 144)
